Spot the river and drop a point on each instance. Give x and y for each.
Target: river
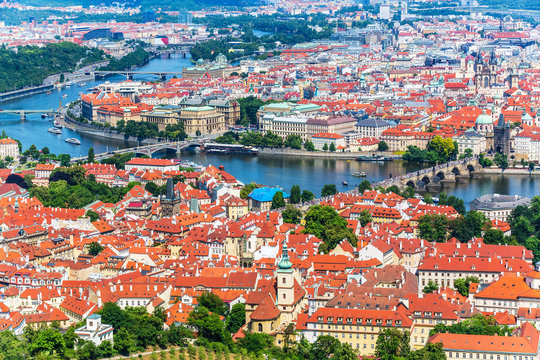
(285, 171)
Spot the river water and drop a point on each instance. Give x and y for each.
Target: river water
(285, 171)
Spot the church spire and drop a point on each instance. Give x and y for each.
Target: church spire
(285, 264)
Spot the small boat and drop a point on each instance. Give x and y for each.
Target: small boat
(82, 84)
(54, 130)
(345, 183)
(359, 174)
(373, 158)
(48, 93)
(73, 141)
(57, 124)
(65, 95)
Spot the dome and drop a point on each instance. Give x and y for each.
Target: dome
(526, 117)
(484, 119)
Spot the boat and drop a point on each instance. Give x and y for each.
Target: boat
(48, 93)
(373, 158)
(54, 130)
(73, 141)
(228, 149)
(359, 174)
(82, 84)
(57, 124)
(344, 182)
(65, 95)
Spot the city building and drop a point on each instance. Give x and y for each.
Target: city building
(95, 331)
(260, 199)
(321, 139)
(202, 120)
(9, 147)
(498, 207)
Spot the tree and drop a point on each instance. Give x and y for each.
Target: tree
(363, 186)
(429, 352)
(494, 236)
(123, 341)
(256, 342)
(307, 196)
(428, 199)
(11, 348)
(94, 248)
(278, 201)
(308, 145)
(293, 141)
(208, 325)
(464, 228)
(462, 285)
(433, 227)
(64, 159)
(236, 318)
(430, 287)
(113, 315)
(291, 215)
(522, 229)
(91, 155)
(325, 147)
(87, 351)
(332, 147)
(106, 349)
(328, 190)
(365, 218)
(325, 223)
(478, 324)
(16, 179)
(324, 347)
(382, 146)
(296, 195)
(392, 343)
(501, 160)
(152, 188)
(49, 341)
(247, 189)
(212, 302)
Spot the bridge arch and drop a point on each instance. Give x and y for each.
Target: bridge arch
(440, 175)
(411, 184)
(470, 167)
(426, 180)
(456, 171)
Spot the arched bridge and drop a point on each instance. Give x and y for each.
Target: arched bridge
(147, 150)
(436, 176)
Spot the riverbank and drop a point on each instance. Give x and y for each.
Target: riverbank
(510, 171)
(324, 154)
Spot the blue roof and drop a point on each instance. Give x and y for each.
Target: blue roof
(264, 194)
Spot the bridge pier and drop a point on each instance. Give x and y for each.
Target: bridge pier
(23, 116)
(129, 76)
(163, 77)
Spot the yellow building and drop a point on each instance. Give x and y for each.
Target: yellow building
(359, 328)
(202, 119)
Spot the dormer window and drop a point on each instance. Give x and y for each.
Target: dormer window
(330, 319)
(378, 321)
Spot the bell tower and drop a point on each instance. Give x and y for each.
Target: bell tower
(285, 282)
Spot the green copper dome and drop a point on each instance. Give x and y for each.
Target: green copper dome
(285, 264)
(484, 119)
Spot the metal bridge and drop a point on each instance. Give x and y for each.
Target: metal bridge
(23, 112)
(148, 150)
(129, 73)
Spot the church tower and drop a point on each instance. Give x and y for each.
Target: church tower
(285, 285)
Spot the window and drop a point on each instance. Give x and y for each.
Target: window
(260, 327)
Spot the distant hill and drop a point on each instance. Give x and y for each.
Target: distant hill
(148, 4)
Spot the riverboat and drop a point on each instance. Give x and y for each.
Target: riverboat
(359, 174)
(373, 158)
(229, 149)
(345, 183)
(54, 130)
(73, 141)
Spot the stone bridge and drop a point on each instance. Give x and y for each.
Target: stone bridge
(436, 176)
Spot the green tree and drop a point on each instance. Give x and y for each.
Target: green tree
(106, 349)
(464, 228)
(363, 186)
(501, 160)
(433, 227)
(429, 352)
(324, 347)
(64, 159)
(478, 324)
(307, 196)
(428, 199)
(212, 302)
(296, 195)
(522, 229)
(124, 343)
(91, 156)
(325, 223)
(11, 348)
(47, 341)
(308, 145)
(256, 343)
(332, 147)
(94, 216)
(94, 248)
(291, 215)
(328, 190)
(293, 141)
(208, 325)
(392, 344)
(236, 318)
(278, 201)
(325, 147)
(247, 189)
(382, 146)
(462, 285)
(365, 218)
(494, 236)
(430, 287)
(88, 351)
